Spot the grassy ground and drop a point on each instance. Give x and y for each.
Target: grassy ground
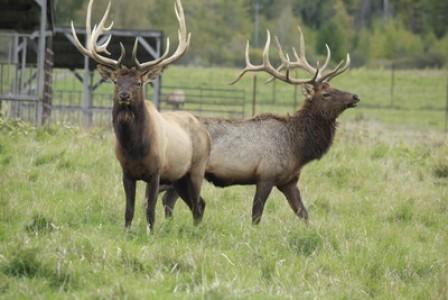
(378, 204)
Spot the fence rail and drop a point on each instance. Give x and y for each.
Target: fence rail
(204, 100)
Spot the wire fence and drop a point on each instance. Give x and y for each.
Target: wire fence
(392, 95)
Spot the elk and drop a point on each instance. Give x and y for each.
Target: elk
(270, 150)
(171, 147)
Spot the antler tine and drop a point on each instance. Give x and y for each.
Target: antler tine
(339, 69)
(321, 74)
(327, 61)
(301, 57)
(92, 49)
(249, 66)
(285, 61)
(184, 42)
(151, 63)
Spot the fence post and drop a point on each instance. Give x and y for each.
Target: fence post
(254, 95)
(295, 96)
(41, 62)
(87, 95)
(392, 85)
(274, 91)
(446, 106)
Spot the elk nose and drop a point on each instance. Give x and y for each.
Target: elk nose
(356, 98)
(124, 96)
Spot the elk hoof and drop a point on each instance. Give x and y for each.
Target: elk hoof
(303, 214)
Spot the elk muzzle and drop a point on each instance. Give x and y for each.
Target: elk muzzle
(124, 98)
(354, 101)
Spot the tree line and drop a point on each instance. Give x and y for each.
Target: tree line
(408, 33)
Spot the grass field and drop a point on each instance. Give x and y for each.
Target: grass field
(378, 203)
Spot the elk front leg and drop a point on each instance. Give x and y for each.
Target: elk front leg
(129, 189)
(152, 191)
(292, 194)
(262, 192)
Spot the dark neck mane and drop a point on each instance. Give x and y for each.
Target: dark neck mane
(313, 134)
(131, 129)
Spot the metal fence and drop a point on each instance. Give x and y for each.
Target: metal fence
(67, 107)
(387, 94)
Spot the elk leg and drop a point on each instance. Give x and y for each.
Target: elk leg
(189, 193)
(292, 194)
(169, 200)
(129, 189)
(152, 191)
(181, 187)
(262, 192)
(195, 184)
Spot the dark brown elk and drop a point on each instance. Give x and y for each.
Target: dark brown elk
(269, 150)
(150, 146)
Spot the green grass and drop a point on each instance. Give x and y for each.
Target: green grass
(378, 203)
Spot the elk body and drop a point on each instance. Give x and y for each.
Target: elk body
(155, 147)
(269, 150)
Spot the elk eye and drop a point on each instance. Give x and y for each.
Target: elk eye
(326, 95)
(139, 83)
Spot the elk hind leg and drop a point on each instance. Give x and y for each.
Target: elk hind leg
(292, 194)
(169, 201)
(188, 189)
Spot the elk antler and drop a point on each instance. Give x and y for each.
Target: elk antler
(92, 49)
(184, 43)
(267, 66)
(300, 62)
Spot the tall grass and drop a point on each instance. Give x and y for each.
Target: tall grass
(378, 203)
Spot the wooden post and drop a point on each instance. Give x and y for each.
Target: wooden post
(274, 91)
(446, 106)
(295, 97)
(254, 95)
(48, 86)
(86, 105)
(41, 62)
(392, 85)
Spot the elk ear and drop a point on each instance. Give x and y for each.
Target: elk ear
(308, 91)
(106, 72)
(150, 75)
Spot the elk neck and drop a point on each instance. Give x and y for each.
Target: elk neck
(312, 134)
(131, 126)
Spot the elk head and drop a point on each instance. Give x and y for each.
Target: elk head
(320, 97)
(128, 80)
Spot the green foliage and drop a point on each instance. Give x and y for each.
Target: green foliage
(220, 28)
(392, 41)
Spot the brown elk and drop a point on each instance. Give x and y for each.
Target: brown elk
(155, 147)
(269, 150)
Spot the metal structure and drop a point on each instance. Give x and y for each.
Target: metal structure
(205, 101)
(31, 48)
(27, 24)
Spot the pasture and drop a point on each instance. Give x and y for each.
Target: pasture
(378, 204)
